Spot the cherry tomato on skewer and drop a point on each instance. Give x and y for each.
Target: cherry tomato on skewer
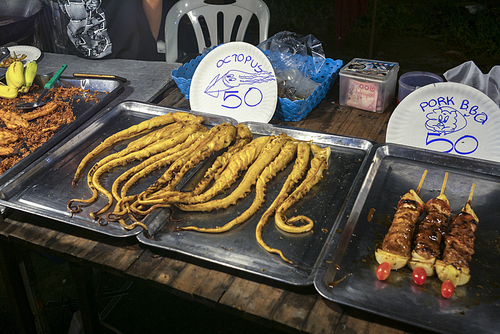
(419, 275)
(383, 271)
(447, 289)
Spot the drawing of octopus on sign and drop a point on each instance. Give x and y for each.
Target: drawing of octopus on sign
(447, 125)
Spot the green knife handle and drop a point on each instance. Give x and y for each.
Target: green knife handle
(56, 77)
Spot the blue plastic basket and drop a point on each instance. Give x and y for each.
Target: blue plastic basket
(286, 109)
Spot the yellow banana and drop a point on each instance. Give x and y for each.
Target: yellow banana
(15, 75)
(7, 77)
(8, 92)
(29, 75)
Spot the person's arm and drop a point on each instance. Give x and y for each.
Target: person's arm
(153, 10)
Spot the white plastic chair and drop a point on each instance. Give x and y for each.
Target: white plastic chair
(195, 9)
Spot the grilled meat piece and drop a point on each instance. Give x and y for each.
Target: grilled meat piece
(398, 238)
(431, 230)
(460, 240)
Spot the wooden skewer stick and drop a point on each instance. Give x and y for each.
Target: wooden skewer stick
(421, 181)
(443, 187)
(471, 193)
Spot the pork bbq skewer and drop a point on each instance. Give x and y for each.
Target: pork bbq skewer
(453, 268)
(396, 246)
(430, 232)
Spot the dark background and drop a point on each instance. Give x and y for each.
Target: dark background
(413, 33)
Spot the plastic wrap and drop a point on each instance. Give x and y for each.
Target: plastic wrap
(287, 51)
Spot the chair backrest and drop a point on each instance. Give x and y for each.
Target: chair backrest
(231, 13)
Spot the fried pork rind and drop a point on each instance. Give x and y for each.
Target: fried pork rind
(7, 137)
(12, 120)
(48, 108)
(5, 150)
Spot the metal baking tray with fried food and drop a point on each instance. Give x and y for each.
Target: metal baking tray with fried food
(78, 100)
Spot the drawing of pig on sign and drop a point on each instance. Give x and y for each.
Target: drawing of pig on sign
(236, 80)
(449, 118)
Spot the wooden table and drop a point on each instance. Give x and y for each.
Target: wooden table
(282, 307)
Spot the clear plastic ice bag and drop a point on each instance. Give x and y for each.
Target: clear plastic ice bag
(288, 53)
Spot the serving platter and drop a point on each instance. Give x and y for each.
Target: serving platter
(102, 92)
(348, 268)
(238, 248)
(45, 187)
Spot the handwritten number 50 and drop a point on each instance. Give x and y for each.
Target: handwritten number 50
(234, 101)
(232, 94)
(453, 145)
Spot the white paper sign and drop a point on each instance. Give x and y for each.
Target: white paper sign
(236, 80)
(449, 118)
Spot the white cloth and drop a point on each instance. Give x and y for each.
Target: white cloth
(469, 74)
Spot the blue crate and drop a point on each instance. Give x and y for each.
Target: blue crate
(286, 109)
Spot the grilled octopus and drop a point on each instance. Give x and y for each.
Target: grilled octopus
(131, 132)
(134, 174)
(137, 150)
(287, 153)
(269, 152)
(234, 156)
(297, 173)
(319, 164)
(222, 137)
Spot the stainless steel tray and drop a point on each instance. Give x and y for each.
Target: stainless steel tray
(106, 91)
(44, 188)
(347, 275)
(238, 248)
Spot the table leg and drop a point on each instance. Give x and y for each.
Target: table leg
(86, 297)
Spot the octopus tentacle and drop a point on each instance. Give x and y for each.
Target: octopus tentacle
(318, 165)
(278, 164)
(217, 138)
(133, 147)
(215, 146)
(169, 130)
(171, 196)
(297, 173)
(133, 131)
(178, 145)
(146, 152)
(268, 153)
(168, 180)
(221, 140)
(243, 137)
(235, 166)
(238, 163)
(142, 170)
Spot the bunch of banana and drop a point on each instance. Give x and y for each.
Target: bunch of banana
(19, 79)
